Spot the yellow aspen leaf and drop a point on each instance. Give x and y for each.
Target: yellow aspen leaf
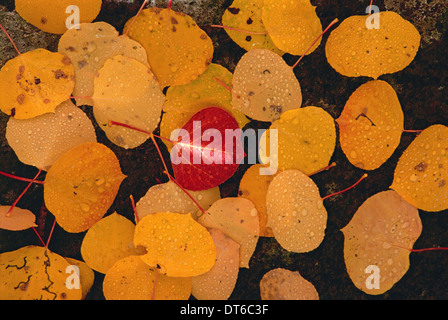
(42, 140)
(353, 49)
(292, 25)
(126, 91)
(296, 213)
(178, 50)
(264, 86)
(51, 16)
(283, 284)
(35, 273)
(107, 241)
(371, 125)
(238, 219)
(306, 139)
(88, 47)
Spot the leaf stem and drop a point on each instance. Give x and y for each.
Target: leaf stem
(20, 178)
(135, 18)
(323, 169)
(239, 30)
(134, 208)
(22, 194)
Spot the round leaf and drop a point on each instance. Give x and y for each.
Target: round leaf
(421, 175)
(296, 213)
(380, 234)
(51, 16)
(37, 82)
(355, 50)
(41, 141)
(35, 273)
(292, 25)
(264, 86)
(132, 279)
(283, 284)
(205, 161)
(126, 91)
(371, 125)
(107, 241)
(306, 139)
(175, 244)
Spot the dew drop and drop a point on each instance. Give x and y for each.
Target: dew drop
(99, 181)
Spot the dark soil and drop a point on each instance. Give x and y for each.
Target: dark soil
(422, 89)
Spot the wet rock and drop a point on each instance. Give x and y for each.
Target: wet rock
(429, 17)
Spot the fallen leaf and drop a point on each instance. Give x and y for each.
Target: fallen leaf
(420, 176)
(35, 273)
(132, 279)
(17, 220)
(283, 284)
(238, 219)
(219, 282)
(178, 50)
(296, 213)
(126, 91)
(264, 86)
(42, 140)
(37, 82)
(355, 50)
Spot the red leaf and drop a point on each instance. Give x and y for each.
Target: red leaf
(205, 162)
